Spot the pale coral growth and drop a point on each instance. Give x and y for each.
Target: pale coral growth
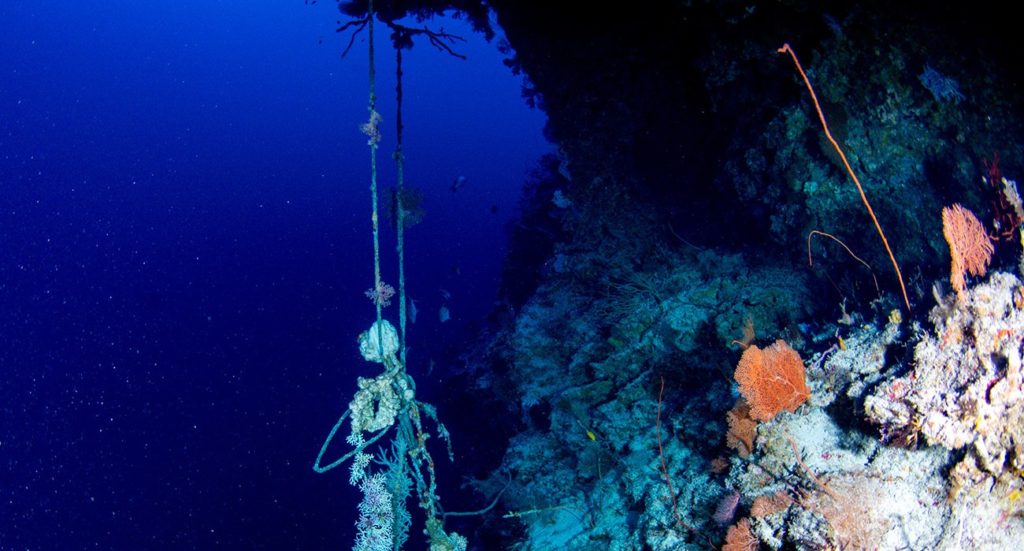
(719, 465)
(727, 508)
(749, 334)
(739, 537)
(966, 388)
(772, 380)
(969, 245)
(770, 504)
(372, 128)
(851, 511)
(849, 491)
(859, 366)
(807, 471)
(378, 402)
(376, 516)
(742, 429)
(381, 294)
(1013, 197)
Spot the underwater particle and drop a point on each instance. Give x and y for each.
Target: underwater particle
(457, 184)
(560, 200)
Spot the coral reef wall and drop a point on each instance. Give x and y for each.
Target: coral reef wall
(691, 173)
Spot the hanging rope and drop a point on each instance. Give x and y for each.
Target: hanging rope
(400, 203)
(372, 129)
(402, 38)
(393, 390)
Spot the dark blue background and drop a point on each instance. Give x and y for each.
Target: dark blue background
(184, 246)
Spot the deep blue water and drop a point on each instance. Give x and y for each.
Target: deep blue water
(184, 247)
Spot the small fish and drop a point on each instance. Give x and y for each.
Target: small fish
(590, 433)
(413, 311)
(444, 314)
(445, 294)
(457, 184)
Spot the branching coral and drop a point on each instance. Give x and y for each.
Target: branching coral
(772, 380)
(965, 390)
(969, 246)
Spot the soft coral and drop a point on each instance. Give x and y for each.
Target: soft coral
(1006, 219)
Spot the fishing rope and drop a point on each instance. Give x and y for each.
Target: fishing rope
(373, 130)
(410, 462)
(400, 204)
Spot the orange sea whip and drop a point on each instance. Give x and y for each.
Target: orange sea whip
(821, 116)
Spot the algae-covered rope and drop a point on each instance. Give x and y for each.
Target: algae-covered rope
(373, 130)
(400, 203)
